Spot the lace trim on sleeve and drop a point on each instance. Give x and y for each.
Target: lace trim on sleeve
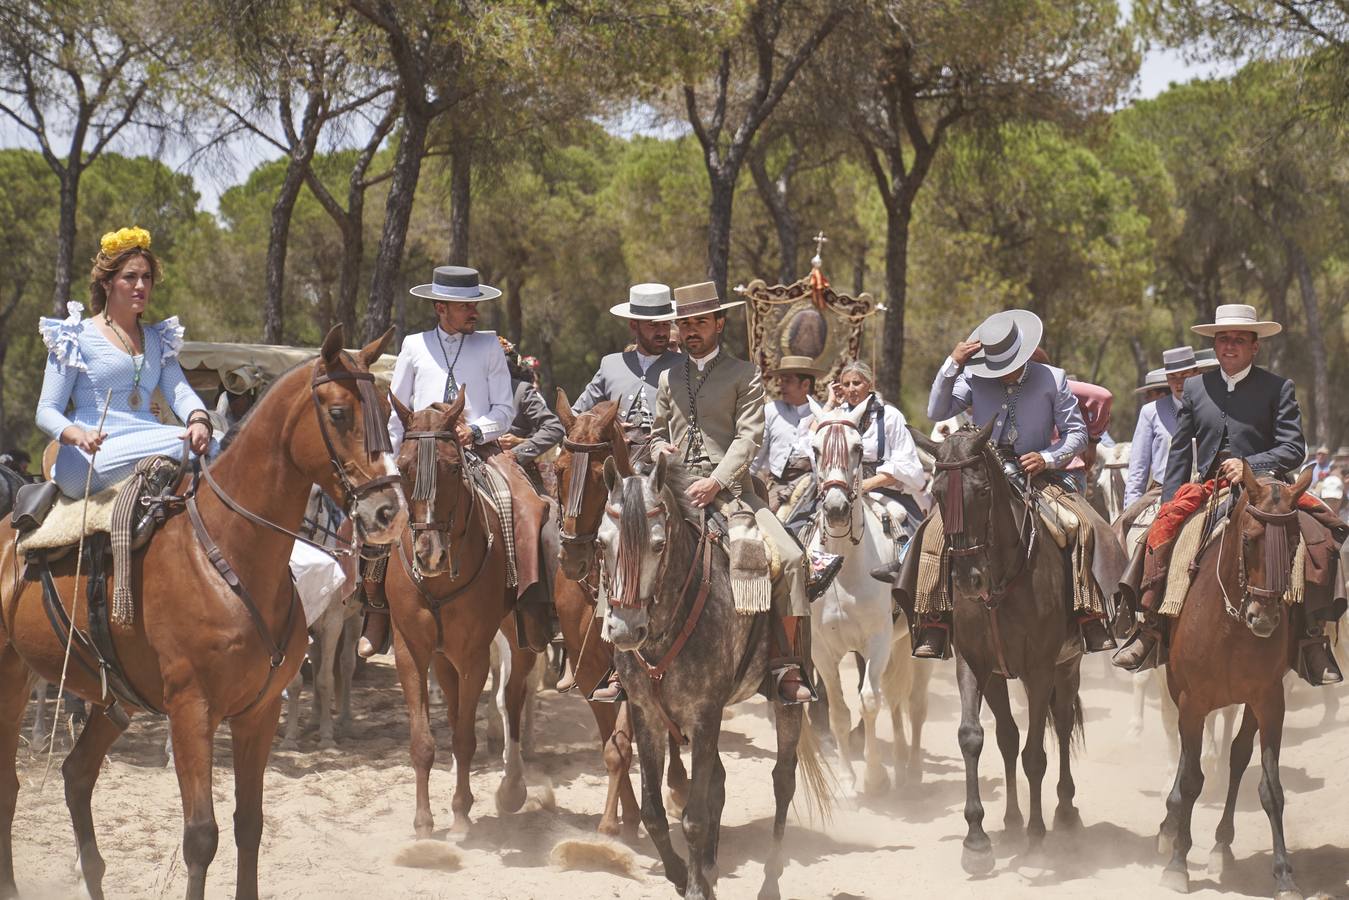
(170, 336)
(62, 337)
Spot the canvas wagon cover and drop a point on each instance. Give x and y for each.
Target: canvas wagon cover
(210, 365)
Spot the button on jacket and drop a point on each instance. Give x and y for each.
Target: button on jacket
(419, 378)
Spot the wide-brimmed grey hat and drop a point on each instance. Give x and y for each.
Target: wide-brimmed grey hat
(455, 284)
(1207, 359)
(1009, 338)
(648, 302)
(1153, 381)
(1237, 317)
(1179, 359)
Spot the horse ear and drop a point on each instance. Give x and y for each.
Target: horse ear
(608, 417)
(985, 434)
(1252, 484)
(855, 414)
(404, 414)
(564, 412)
(332, 346)
(924, 443)
(375, 349)
(457, 407)
(611, 475)
(658, 475)
(1303, 482)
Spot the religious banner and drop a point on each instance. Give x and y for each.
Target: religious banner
(806, 318)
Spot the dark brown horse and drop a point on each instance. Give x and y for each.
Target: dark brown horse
(1233, 643)
(194, 651)
(594, 436)
(448, 596)
(1011, 616)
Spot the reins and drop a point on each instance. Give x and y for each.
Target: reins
(1281, 533)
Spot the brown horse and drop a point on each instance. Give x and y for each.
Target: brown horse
(448, 597)
(194, 650)
(593, 437)
(1233, 643)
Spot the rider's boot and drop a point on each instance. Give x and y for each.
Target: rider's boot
(821, 571)
(934, 636)
(1143, 649)
(568, 679)
(1316, 661)
(1095, 635)
(789, 670)
(375, 631)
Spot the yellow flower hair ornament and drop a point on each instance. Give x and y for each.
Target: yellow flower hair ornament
(124, 239)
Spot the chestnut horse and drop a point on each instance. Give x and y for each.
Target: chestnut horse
(448, 596)
(196, 651)
(593, 437)
(1233, 643)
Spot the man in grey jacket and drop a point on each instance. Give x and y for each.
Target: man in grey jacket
(630, 378)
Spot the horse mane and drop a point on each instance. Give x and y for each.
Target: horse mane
(677, 480)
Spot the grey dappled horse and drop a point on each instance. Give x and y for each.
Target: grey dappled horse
(666, 575)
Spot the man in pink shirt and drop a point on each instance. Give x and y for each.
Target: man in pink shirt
(1094, 403)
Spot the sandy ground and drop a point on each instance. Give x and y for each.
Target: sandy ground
(339, 822)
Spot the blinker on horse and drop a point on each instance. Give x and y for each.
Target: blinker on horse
(215, 638)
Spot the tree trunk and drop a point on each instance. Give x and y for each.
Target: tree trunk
(273, 320)
(719, 254)
(859, 271)
(1316, 340)
(397, 212)
(776, 196)
(353, 253)
(461, 179)
(890, 378)
(1140, 358)
(65, 236)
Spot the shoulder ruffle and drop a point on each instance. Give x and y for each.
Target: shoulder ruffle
(170, 336)
(62, 337)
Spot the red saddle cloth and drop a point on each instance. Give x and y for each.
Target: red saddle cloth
(1189, 498)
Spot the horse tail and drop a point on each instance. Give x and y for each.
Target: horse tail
(818, 779)
(1079, 727)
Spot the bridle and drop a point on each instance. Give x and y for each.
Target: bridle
(1281, 535)
(576, 486)
(628, 578)
(834, 457)
(426, 487)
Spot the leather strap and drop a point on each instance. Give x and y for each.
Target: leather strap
(1003, 669)
(657, 672)
(335, 552)
(434, 603)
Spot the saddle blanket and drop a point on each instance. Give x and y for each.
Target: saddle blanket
(61, 528)
(318, 578)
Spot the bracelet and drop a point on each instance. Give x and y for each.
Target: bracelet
(198, 416)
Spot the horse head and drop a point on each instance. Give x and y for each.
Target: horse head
(969, 484)
(1268, 536)
(593, 438)
(837, 447)
(431, 464)
(640, 515)
(346, 449)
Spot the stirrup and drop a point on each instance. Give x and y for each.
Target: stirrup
(1084, 622)
(1155, 656)
(1330, 674)
(610, 677)
(779, 668)
(921, 639)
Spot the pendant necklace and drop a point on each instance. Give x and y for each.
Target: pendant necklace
(451, 383)
(134, 401)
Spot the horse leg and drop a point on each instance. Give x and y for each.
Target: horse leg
(412, 678)
(1138, 704)
(873, 701)
(1270, 716)
(518, 692)
(918, 698)
(677, 779)
(252, 739)
(1241, 757)
(464, 741)
(38, 689)
(193, 755)
(616, 751)
(15, 689)
(1034, 761)
(1170, 720)
(790, 721)
(651, 755)
(292, 736)
(1180, 803)
(976, 857)
(346, 669)
(330, 630)
(1067, 712)
(840, 718)
(702, 815)
(1009, 745)
(80, 771)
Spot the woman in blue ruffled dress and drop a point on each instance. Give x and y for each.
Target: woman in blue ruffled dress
(114, 351)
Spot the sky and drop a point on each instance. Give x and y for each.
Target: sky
(1159, 69)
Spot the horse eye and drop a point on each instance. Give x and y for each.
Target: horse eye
(338, 414)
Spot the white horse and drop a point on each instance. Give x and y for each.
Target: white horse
(1112, 472)
(854, 613)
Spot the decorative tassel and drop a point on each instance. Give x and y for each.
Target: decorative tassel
(424, 490)
(1276, 559)
(373, 420)
(1297, 583)
(953, 503)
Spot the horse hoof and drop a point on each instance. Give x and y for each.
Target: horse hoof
(327, 744)
(288, 744)
(459, 828)
(608, 828)
(1218, 860)
(1067, 818)
(1289, 895)
(1176, 880)
(511, 796)
(976, 862)
(876, 784)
